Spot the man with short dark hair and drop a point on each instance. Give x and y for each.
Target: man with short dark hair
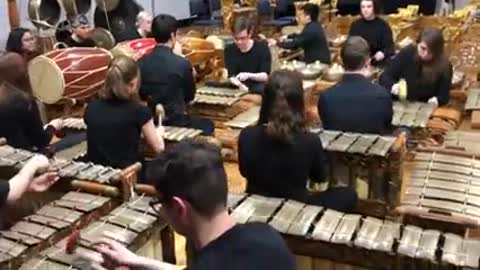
(167, 78)
(193, 183)
(355, 104)
(247, 59)
(82, 32)
(312, 39)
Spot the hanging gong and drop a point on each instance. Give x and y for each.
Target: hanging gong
(107, 5)
(44, 13)
(76, 7)
(103, 38)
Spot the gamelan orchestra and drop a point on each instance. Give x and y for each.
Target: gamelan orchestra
(266, 134)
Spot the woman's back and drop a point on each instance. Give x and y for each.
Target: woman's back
(114, 129)
(280, 169)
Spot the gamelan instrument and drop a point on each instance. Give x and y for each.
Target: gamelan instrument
(473, 100)
(334, 239)
(76, 7)
(82, 175)
(245, 119)
(103, 38)
(50, 223)
(72, 73)
(367, 156)
(44, 14)
(176, 134)
(107, 5)
(411, 114)
(466, 141)
(442, 190)
(136, 48)
(133, 224)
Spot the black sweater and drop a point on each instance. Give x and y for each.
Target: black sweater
(313, 42)
(21, 124)
(277, 169)
(405, 66)
(377, 33)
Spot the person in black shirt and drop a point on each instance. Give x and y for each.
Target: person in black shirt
(424, 67)
(81, 32)
(249, 60)
(355, 104)
(21, 41)
(28, 179)
(312, 39)
(167, 78)
(278, 156)
(375, 31)
(193, 183)
(19, 114)
(115, 121)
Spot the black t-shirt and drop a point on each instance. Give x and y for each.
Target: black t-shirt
(258, 59)
(280, 169)
(249, 246)
(84, 43)
(4, 189)
(114, 129)
(22, 125)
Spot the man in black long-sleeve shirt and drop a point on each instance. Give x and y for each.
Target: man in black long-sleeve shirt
(375, 31)
(167, 78)
(247, 59)
(312, 39)
(355, 104)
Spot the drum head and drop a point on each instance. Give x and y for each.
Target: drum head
(107, 5)
(46, 79)
(44, 10)
(103, 38)
(76, 7)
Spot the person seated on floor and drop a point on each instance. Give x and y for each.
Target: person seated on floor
(167, 78)
(424, 67)
(312, 39)
(82, 32)
(247, 59)
(355, 104)
(35, 176)
(279, 155)
(375, 31)
(116, 120)
(21, 125)
(193, 183)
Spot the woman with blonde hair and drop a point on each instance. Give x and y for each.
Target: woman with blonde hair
(116, 120)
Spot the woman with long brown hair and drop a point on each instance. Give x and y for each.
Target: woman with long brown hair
(424, 67)
(279, 155)
(116, 120)
(19, 113)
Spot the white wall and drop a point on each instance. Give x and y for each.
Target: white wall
(178, 8)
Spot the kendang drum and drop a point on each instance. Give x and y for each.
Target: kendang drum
(136, 48)
(72, 73)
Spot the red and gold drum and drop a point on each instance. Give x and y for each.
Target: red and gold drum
(136, 48)
(72, 73)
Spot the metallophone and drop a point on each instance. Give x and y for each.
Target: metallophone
(425, 120)
(373, 157)
(442, 190)
(473, 105)
(327, 239)
(217, 103)
(133, 223)
(102, 189)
